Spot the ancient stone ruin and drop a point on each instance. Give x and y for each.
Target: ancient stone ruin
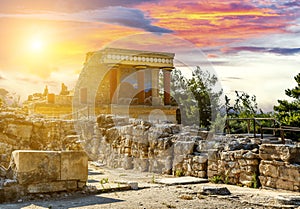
(130, 143)
(170, 148)
(32, 172)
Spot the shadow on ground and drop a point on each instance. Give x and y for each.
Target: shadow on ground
(63, 204)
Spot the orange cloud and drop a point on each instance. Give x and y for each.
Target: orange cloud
(215, 24)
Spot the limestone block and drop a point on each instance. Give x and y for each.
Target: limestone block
(21, 131)
(212, 173)
(178, 159)
(232, 164)
(184, 147)
(245, 177)
(239, 154)
(225, 156)
(112, 134)
(290, 173)
(212, 165)
(253, 162)
(270, 182)
(267, 168)
(242, 162)
(54, 186)
(213, 155)
(284, 184)
(202, 159)
(250, 155)
(251, 169)
(36, 166)
(279, 152)
(11, 193)
(81, 184)
(206, 190)
(201, 174)
(138, 130)
(141, 165)
(74, 165)
(262, 180)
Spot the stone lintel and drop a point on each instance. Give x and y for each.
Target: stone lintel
(134, 57)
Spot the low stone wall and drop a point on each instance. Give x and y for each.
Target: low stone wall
(280, 167)
(18, 132)
(135, 144)
(170, 148)
(239, 167)
(161, 148)
(33, 172)
(191, 166)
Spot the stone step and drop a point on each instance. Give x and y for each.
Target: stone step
(181, 180)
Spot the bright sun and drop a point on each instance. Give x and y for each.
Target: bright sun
(36, 45)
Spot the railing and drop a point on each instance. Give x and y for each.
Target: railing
(256, 122)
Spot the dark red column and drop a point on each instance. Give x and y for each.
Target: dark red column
(167, 87)
(113, 84)
(141, 86)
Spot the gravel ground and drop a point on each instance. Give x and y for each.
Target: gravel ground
(150, 195)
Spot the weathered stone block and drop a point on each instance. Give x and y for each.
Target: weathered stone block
(21, 131)
(211, 173)
(36, 166)
(215, 191)
(184, 147)
(266, 168)
(284, 184)
(74, 165)
(250, 155)
(200, 159)
(254, 162)
(127, 163)
(290, 173)
(239, 154)
(212, 166)
(213, 155)
(201, 174)
(267, 181)
(55, 186)
(286, 153)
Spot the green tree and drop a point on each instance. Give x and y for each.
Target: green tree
(244, 105)
(196, 97)
(288, 112)
(207, 101)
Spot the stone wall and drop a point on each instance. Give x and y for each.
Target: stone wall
(32, 172)
(135, 144)
(280, 167)
(235, 161)
(18, 132)
(169, 148)
(157, 147)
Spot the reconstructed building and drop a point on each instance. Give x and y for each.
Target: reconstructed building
(126, 82)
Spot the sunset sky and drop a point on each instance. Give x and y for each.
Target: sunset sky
(253, 45)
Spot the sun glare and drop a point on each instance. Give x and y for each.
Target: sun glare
(36, 45)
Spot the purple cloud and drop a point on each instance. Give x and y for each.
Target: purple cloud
(275, 50)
